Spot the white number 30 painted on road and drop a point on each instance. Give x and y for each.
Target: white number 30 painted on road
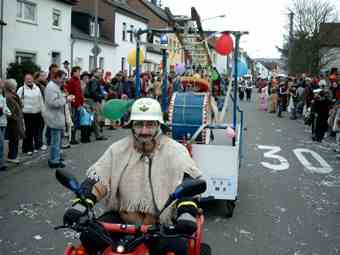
(300, 153)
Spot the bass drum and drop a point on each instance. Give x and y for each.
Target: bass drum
(187, 112)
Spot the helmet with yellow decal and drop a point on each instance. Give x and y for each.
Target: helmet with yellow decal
(146, 109)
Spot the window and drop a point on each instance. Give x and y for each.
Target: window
(131, 33)
(56, 59)
(26, 11)
(21, 57)
(101, 63)
(56, 18)
(91, 63)
(92, 29)
(124, 32)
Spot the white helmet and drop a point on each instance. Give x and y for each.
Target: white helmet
(146, 109)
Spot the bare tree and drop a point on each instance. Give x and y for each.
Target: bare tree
(307, 55)
(309, 14)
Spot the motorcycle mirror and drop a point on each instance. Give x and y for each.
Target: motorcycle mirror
(67, 180)
(190, 188)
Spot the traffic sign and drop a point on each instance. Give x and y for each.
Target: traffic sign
(163, 39)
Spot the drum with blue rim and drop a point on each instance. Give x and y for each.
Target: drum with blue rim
(187, 112)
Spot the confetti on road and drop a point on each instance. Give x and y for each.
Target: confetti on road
(37, 237)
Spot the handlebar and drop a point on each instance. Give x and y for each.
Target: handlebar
(125, 228)
(163, 231)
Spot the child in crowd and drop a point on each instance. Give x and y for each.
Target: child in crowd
(86, 121)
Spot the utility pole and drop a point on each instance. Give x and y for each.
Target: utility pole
(237, 35)
(138, 85)
(236, 53)
(1, 35)
(290, 41)
(95, 51)
(165, 81)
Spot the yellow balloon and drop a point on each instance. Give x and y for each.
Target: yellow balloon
(132, 57)
(197, 76)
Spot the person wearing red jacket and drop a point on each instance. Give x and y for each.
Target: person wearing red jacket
(73, 87)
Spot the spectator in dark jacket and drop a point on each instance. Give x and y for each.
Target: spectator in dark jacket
(15, 122)
(320, 110)
(94, 97)
(73, 87)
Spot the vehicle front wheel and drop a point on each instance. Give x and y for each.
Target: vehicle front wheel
(229, 208)
(205, 249)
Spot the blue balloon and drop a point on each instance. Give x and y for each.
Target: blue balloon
(242, 68)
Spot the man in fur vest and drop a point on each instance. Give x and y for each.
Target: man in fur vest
(136, 175)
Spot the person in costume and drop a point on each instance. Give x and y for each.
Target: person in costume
(135, 176)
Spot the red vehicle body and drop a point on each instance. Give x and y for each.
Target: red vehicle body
(194, 243)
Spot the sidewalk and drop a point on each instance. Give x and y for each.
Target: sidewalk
(42, 156)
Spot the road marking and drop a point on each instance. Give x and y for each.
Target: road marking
(284, 164)
(325, 167)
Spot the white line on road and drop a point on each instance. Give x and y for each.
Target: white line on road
(325, 167)
(284, 164)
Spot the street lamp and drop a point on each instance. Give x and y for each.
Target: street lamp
(219, 16)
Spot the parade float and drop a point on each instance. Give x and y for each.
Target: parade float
(193, 117)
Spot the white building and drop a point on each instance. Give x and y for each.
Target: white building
(126, 40)
(82, 44)
(330, 46)
(153, 57)
(115, 40)
(36, 30)
(262, 71)
(222, 63)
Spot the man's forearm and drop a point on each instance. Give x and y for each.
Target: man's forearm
(99, 190)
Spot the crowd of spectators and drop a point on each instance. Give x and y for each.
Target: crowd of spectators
(62, 107)
(316, 100)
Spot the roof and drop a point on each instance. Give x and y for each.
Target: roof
(78, 34)
(87, 13)
(123, 6)
(156, 9)
(73, 2)
(330, 34)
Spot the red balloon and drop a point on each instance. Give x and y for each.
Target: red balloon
(224, 45)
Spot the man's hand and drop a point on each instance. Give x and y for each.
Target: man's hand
(186, 216)
(73, 214)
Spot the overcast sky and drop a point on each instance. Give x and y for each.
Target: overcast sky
(264, 19)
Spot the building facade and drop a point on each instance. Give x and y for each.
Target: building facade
(36, 30)
(126, 40)
(116, 40)
(83, 46)
(330, 46)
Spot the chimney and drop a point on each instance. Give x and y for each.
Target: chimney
(154, 2)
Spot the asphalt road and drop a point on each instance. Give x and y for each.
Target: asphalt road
(292, 210)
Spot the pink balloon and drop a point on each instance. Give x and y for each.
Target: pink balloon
(224, 45)
(230, 133)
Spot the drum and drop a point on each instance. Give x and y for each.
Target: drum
(187, 112)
